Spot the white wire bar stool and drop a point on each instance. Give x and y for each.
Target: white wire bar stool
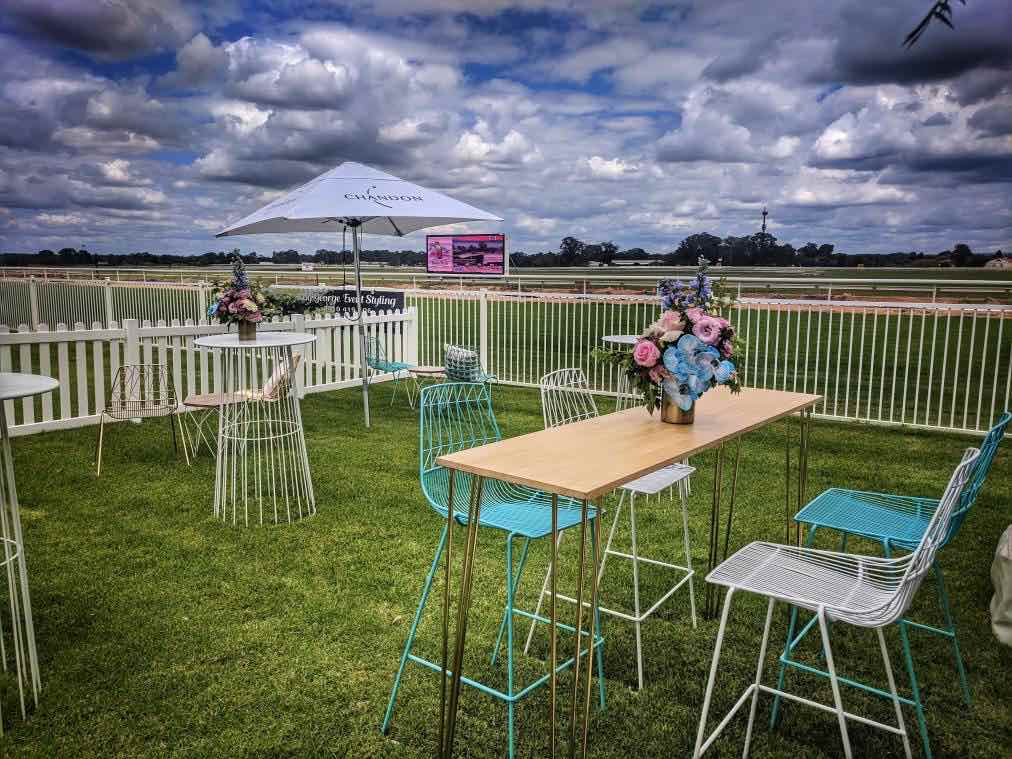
(141, 391)
(262, 472)
(566, 398)
(864, 591)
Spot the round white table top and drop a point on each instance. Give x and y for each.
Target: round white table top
(263, 340)
(17, 385)
(620, 339)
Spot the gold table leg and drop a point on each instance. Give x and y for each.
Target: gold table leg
(553, 633)
(710, 607)
(463, 607)
(579, 628)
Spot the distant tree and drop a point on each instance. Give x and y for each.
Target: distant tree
(961, 255)
(694, 246)
(571, 252)
(608, 251)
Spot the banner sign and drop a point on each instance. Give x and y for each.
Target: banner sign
(465, 254)
(343, 301)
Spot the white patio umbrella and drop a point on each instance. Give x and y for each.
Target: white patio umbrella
(361, 199)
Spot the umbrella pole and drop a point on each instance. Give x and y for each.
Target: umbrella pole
(363, 368)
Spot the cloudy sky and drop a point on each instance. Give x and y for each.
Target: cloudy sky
(149, 124)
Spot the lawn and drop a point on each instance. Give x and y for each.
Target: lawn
(162, 632)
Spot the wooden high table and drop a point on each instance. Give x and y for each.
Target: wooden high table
(587, 460)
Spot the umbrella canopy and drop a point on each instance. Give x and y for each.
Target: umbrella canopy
(365, 200)
(380, 203)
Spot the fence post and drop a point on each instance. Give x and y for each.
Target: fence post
(33, 302)
(110, 315)
(411, 338)
(299, 325)
(132, 353)
(483, 328)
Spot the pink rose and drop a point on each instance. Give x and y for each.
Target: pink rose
(671, 321)
(694, 314)
(646, 353)
(724, 323)
(707, 329)
(658, 374)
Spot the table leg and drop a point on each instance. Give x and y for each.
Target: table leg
(806, 419)
(22, 625)
(463, 606)
(787, 478)
(578, 628)
(446, 608)
(718, 476)
(553, 632)
(594, 579)
(734, 493)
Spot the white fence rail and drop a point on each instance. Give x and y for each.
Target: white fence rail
(85, 360)
(942, 366)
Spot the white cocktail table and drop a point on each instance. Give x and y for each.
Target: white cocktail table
(22, 645)
(262, 471)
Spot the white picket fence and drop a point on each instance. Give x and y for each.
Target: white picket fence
(85, 360)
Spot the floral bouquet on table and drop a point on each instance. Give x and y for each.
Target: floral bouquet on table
(686, 351)
(241, 301)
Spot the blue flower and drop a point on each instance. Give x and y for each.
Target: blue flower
(681, 394)
(723, 371)
(212, 309)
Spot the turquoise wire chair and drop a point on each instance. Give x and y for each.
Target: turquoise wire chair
(454, 417)
(376, 359)
(897, 522)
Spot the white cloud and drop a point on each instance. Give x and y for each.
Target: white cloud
(614, 168)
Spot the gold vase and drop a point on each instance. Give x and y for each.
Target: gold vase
(672, 414)
(247, 331)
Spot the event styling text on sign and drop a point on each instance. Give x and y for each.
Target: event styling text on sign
(344, 301)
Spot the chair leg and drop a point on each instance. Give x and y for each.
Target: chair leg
(101, 435)
(915, 690)
(892, 689)
(837, 701)
(175, 444)
(688, 552)
(788, 648)
(611, 533)
(411, 634)
(515, 582)
(697, 752)
(595, 538)
(178, 419)
(636, 590)
(950, 628)
(541, 599)
(758, 678)
(510, 588)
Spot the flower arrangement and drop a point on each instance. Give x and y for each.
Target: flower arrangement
(687, 350)
(240, 299)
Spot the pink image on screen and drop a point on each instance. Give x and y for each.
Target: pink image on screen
(478, 254)
(440, 254)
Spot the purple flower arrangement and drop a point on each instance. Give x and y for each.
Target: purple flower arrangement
(688, 350)
(240, 299)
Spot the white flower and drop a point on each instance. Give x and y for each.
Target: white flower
(671, 336)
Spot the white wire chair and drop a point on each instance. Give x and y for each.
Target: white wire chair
(205, 407)
(141, 391)
(865, 591)
(566, 398)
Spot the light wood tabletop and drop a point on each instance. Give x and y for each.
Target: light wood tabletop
(591, 458)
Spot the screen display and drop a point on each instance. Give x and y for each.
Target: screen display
(465, 254)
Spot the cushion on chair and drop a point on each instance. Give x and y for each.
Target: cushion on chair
(462, 364)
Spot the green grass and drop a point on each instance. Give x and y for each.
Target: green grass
(162, 632)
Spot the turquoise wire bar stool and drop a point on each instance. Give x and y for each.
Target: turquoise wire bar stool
(456, 416)
(897, 522)
(376, 359)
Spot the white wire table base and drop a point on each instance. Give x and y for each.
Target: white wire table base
(262, 473)
(17, 635)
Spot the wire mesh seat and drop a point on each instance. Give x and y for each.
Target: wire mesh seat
(463, 364)
(896, 521)
(377, 360)
(141, 391)
(457, 416)
(566, 398)
(204, 408)
(865, 591)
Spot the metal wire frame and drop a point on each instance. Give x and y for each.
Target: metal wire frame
(455, 417)
(206, 407)
(376, 359)
(566, 398)
(896, 522)
(864, 591)
(141, 391)
(263, 465)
